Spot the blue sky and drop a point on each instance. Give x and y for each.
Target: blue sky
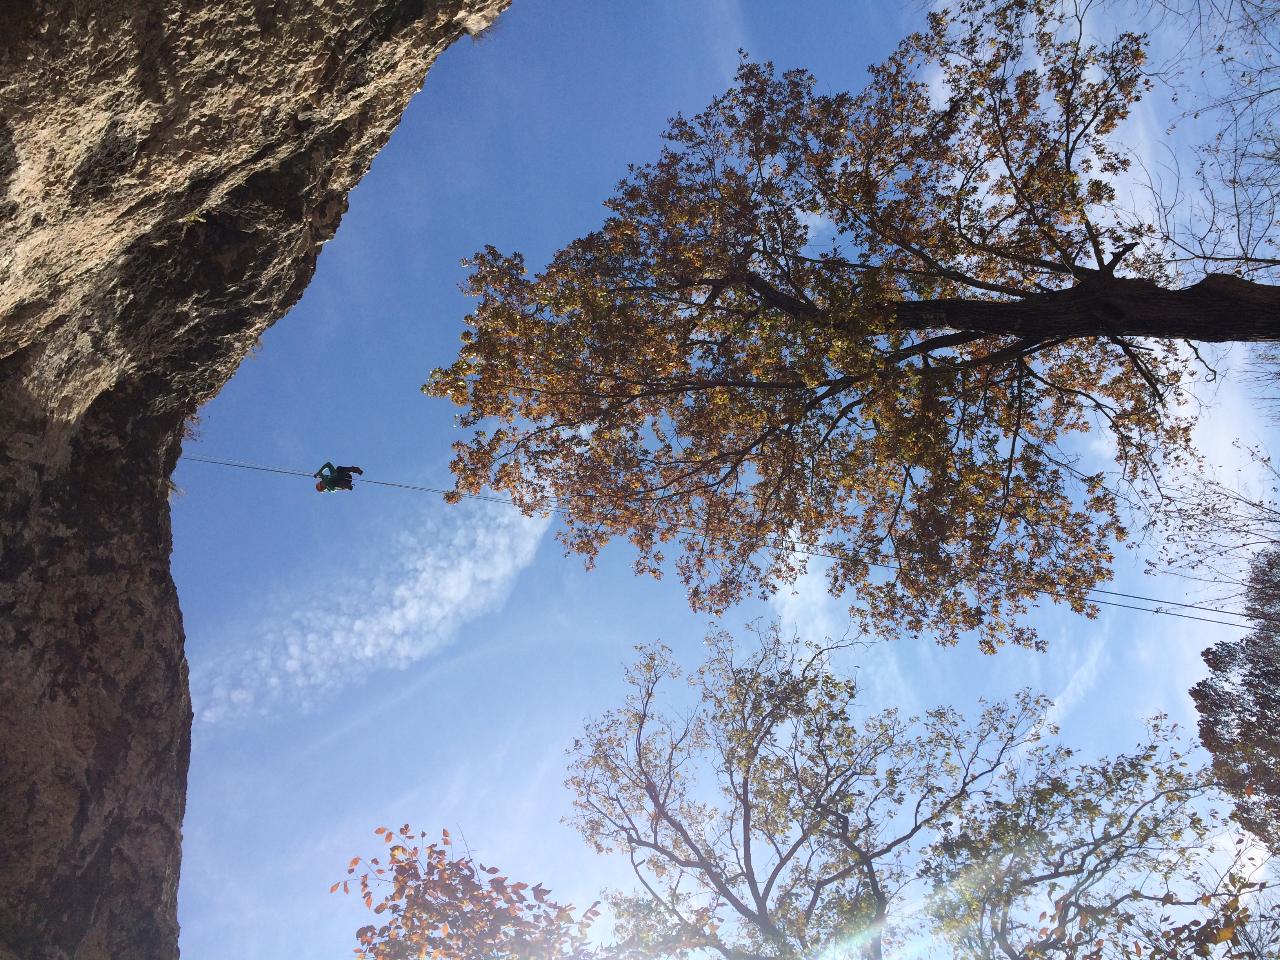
(381, 657)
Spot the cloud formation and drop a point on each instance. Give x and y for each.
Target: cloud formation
(1085, 670)
(452, 569)
(807, 609)
(730, 33)
(806, 606)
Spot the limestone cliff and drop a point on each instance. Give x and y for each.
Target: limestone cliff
(168, 172)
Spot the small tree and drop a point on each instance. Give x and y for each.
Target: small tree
(434, 906)
(1239, 705)
(705, 370)
(772, 820)
(1216, 531)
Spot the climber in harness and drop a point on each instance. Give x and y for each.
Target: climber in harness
(332, 478)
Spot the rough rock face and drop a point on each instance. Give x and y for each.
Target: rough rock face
(168, 172)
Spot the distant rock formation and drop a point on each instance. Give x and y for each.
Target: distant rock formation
(168, 172)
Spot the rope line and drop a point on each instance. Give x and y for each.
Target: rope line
(790, 547)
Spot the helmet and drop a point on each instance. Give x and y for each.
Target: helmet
(320, 485)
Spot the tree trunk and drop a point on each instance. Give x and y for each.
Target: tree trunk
(1218, 309)
(168, 172)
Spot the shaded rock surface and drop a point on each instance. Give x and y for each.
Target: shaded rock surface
(168, 172)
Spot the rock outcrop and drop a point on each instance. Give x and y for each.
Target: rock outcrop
(168, 172)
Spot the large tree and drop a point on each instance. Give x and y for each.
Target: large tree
(863, 325)
(776, 817)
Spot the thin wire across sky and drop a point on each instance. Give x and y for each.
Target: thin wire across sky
(796, 549)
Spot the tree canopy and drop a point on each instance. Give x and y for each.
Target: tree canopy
(431, 903)
(870, 326)
(776, 817)
(1227, 535)
(1239, 705)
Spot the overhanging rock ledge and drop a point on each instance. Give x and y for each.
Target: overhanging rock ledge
(168, 172)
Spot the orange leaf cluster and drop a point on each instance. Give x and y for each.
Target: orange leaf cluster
(434, 906)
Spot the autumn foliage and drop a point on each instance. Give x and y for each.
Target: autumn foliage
(767, 814)
(1239, 704)
(435, 906)
(865, 326)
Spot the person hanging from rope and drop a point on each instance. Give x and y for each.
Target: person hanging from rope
(332, 478)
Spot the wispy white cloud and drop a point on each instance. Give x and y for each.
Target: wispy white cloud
(1084, 677)
(808, 610)
(806, 607)
(731, 35)
(455, 567)
(822, 229)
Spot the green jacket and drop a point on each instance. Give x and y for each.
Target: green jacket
(330, 479)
